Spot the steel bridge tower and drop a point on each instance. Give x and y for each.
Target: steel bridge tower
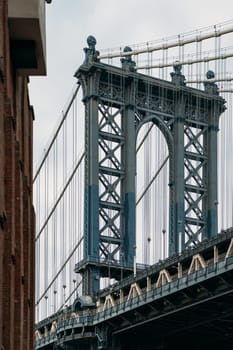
(118, 101)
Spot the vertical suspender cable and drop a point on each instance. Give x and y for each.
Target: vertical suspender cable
(38, 250)
(45, 253)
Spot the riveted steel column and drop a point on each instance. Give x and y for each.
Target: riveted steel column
(212, 201)
(176, 243)
(216, 107)
(128, 184)
(89, 77)
(91, 207)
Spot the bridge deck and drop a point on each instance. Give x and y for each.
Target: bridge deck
(186, 296)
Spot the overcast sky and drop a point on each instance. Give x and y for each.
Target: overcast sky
(114, 23)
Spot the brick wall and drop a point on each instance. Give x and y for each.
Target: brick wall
(16, 210)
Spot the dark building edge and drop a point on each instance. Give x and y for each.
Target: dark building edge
(17, 218)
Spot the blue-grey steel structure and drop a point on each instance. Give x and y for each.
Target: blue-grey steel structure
(118, 101)
(186, 297)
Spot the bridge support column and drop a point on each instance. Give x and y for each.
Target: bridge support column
(177, 239)
(128, 183)
(215, 108)
(91, 207)
(212, 175)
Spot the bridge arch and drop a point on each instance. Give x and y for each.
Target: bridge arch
(154, 145)
(157, 119)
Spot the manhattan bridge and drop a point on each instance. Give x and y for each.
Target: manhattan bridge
(133, 199)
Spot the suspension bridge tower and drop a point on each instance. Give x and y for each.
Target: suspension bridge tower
(118, 101)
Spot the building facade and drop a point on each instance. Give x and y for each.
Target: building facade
(22, 53)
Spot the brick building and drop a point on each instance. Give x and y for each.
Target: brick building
(22, 53)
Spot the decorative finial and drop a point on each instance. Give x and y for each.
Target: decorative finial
(177, 67)
(210, 74)
(177, 77)
(210, 86)
(91, 42)
(91, 54)
(127, 63)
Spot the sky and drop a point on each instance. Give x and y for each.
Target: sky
(114, 23)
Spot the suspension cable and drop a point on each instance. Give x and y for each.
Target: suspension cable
(71, 294)
(60, 270)
(61, 195)
(57, 131)
(152, 180)
(175, 43)
(189, 61)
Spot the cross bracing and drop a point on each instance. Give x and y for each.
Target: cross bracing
(60, 223)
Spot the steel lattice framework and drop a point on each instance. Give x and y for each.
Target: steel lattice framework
(118, 101)
(174, 130)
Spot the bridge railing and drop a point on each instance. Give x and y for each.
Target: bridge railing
(208, 261)
(92, 319)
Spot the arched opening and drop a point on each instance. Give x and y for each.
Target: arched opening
(152, 194)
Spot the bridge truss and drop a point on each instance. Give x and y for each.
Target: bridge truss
(59, 180)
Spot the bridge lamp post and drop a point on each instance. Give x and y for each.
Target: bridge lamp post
(64, 294)
(74, 281)
(55, 300)
(109, 271)
(134, 261)
(121, 262)
(164, 242)
(46, 305)
(148, 256)
(180, 222)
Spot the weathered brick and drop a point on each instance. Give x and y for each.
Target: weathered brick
(17, 256)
